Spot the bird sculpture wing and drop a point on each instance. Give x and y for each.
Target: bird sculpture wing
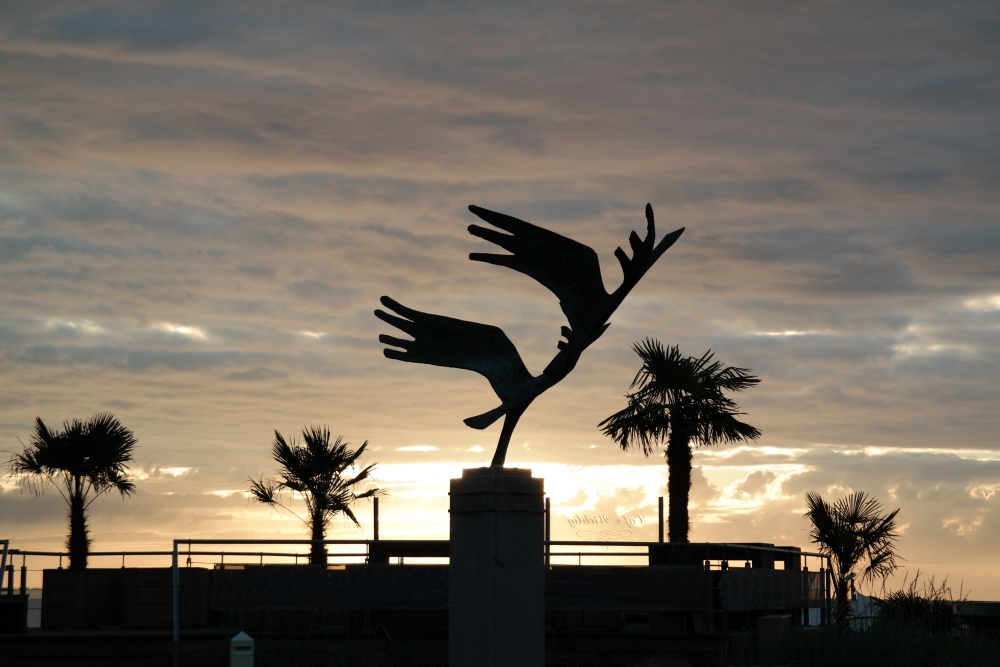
(645, 252)
(445, 341)
(568, 268)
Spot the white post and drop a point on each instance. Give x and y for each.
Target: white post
(241, 650)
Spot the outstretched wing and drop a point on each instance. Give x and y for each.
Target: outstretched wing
(568, 268)
(644, 255)
(445, 341)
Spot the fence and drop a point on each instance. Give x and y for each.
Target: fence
(33, 562)
(604, 566)
(752, 553)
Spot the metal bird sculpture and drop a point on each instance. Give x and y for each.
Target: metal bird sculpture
(569, 269)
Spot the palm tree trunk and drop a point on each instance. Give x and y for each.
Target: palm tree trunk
(679, 484)
(317, 552)
(840, 587)
(78, 542)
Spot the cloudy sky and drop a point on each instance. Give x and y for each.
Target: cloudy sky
(201, 203)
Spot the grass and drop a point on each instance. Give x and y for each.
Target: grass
(917, 627)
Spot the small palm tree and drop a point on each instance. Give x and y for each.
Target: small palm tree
(680, 400)
(855, 533)
(87, 459)
(315, 470)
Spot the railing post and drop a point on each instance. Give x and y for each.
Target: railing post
(661, 517)
(177, 597)
(548, 531)
(808, 597)
(3, 559)
(826, 582)
(822, 592)
(24, 574)
(374, 516)
(10, 578)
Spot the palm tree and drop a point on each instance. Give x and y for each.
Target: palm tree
(315, 470)
(680, 400)
(855, 533)
(84, 461)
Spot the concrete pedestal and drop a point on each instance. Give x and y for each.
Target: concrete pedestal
(497, 605)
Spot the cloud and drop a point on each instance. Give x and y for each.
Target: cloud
(260, 272)
(15, 248)
(318, 289)
(258, 374)
(862, 279)
(755, 484)
(191, 333)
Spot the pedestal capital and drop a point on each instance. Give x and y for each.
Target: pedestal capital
(496, 489)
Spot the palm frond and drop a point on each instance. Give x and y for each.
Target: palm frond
(27, 463)
(350, 515)
(641, 422)
(27, 468)
(736, 379)
(360, 477)
(285, 455)
(263, 491)
(715, 426)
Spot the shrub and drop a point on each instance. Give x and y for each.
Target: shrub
(929, 609)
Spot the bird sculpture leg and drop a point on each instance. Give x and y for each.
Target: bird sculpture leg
(509, 422)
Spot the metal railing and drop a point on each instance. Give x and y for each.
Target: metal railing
(7, 563)
(553, 549)
(734, 547)
(547, 545)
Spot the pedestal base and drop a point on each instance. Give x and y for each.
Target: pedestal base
(497, 591)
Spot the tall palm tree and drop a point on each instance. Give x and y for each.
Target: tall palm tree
(315, 470)
(680, 400)
(84, 461)
(855, 532)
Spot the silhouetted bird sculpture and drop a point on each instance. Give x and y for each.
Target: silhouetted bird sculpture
(570, 269)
